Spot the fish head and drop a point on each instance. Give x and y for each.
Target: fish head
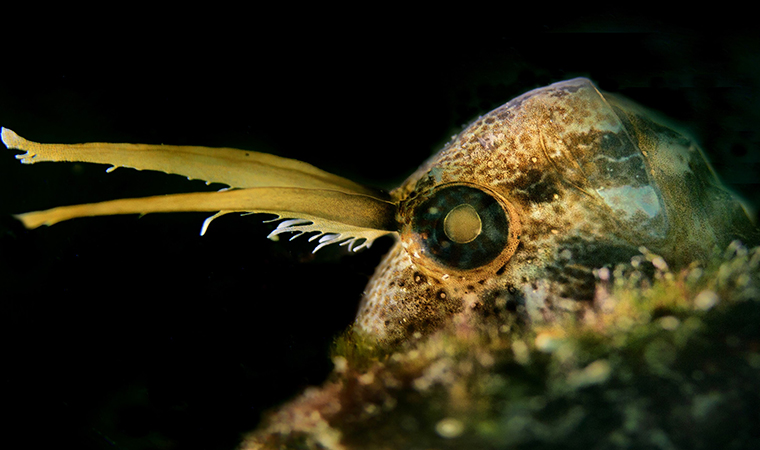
(520, 209)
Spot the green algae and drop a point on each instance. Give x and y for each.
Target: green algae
(665, 359)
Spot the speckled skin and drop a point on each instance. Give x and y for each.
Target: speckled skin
(586, 179)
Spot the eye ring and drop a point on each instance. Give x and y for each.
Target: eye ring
(460, 227)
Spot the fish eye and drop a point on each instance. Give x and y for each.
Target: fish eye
(463, 227)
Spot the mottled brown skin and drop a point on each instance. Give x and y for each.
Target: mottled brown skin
(587, 179)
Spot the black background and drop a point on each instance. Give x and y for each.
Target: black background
(131, 333)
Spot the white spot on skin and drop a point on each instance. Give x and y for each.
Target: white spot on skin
(535, 299)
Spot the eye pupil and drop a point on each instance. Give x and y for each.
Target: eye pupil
(462, 224)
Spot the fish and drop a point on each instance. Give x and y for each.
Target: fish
(515, 213)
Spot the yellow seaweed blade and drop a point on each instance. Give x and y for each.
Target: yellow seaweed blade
(233, 167)
(341, 216)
